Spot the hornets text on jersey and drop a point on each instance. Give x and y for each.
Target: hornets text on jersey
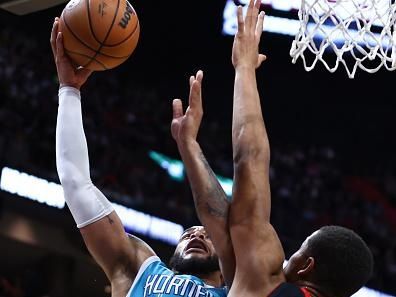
(154, 279)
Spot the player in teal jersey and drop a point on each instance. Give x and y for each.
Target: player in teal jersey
(189, 274)
(129, 263)
(210, 199)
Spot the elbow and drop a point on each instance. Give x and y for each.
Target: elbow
(250, 145)
(69, 183)
(69, 177)
(251, 154)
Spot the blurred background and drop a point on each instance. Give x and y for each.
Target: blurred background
(332, 139)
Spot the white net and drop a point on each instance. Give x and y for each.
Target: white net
(352, 33)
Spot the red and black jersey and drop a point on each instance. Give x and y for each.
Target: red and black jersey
(289, 290)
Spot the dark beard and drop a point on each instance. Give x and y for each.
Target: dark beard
(194, 266)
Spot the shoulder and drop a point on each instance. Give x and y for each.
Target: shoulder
(151, 266)
(138, 254)
(140, 246)
(288, 290)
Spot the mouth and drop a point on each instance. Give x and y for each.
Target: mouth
(196, 246)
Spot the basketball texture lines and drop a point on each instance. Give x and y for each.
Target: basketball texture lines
(99, 34)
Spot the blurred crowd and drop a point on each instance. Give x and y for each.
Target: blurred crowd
(23, 284)
(122, 124)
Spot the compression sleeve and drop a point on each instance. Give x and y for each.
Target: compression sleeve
(86, 203)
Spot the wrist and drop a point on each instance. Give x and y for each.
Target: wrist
(245, 73)
(71, 85)
(187, 144)
(245, 68)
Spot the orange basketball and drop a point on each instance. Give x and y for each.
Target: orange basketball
(99, 34)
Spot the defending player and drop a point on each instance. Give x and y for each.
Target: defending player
(130, 264)
(333, 261)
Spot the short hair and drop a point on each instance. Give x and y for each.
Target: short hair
(343, 261)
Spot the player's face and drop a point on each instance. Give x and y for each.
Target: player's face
(195, 253)
(195, 242)
(297, 262)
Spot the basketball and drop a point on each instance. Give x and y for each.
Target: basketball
(99, 34)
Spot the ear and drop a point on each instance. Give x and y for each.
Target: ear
(307, 268)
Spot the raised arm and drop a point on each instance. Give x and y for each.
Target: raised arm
(100, 226)
(210, 199)
(257, 248)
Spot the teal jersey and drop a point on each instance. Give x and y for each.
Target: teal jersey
(154, 279)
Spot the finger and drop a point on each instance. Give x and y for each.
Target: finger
(257, 6)
(255, 13)
(54, 33)
(59, 45)
(192, 78)
(260, 22)
(199, 76)
(249, 15)
(177, 107)
(195, 99)
(241, 23)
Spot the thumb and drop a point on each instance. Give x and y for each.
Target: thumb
(261, 59)
(177, 107)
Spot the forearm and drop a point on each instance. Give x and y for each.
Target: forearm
(209, 197)
(249, 136)
(211, 203)
(99, 224)
(86, 203)
(71, 144)
(251, 153)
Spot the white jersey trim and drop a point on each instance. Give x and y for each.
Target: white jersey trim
(142, 269)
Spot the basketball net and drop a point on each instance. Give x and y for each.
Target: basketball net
(352, 33)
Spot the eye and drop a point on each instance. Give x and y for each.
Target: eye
(185, 236)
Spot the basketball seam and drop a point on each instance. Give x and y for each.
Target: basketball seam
(107, 34)
(84, 55)
(90, 23)
(114, 57)
(86, 45)
(74, 34)
(130, 35)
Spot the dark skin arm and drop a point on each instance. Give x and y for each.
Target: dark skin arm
(210, 199)
(257, 247)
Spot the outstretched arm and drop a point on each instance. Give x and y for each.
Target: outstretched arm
(100, 226)
(210, 199)
(256, 244)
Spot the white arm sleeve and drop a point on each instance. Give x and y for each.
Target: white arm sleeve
(86, 203)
